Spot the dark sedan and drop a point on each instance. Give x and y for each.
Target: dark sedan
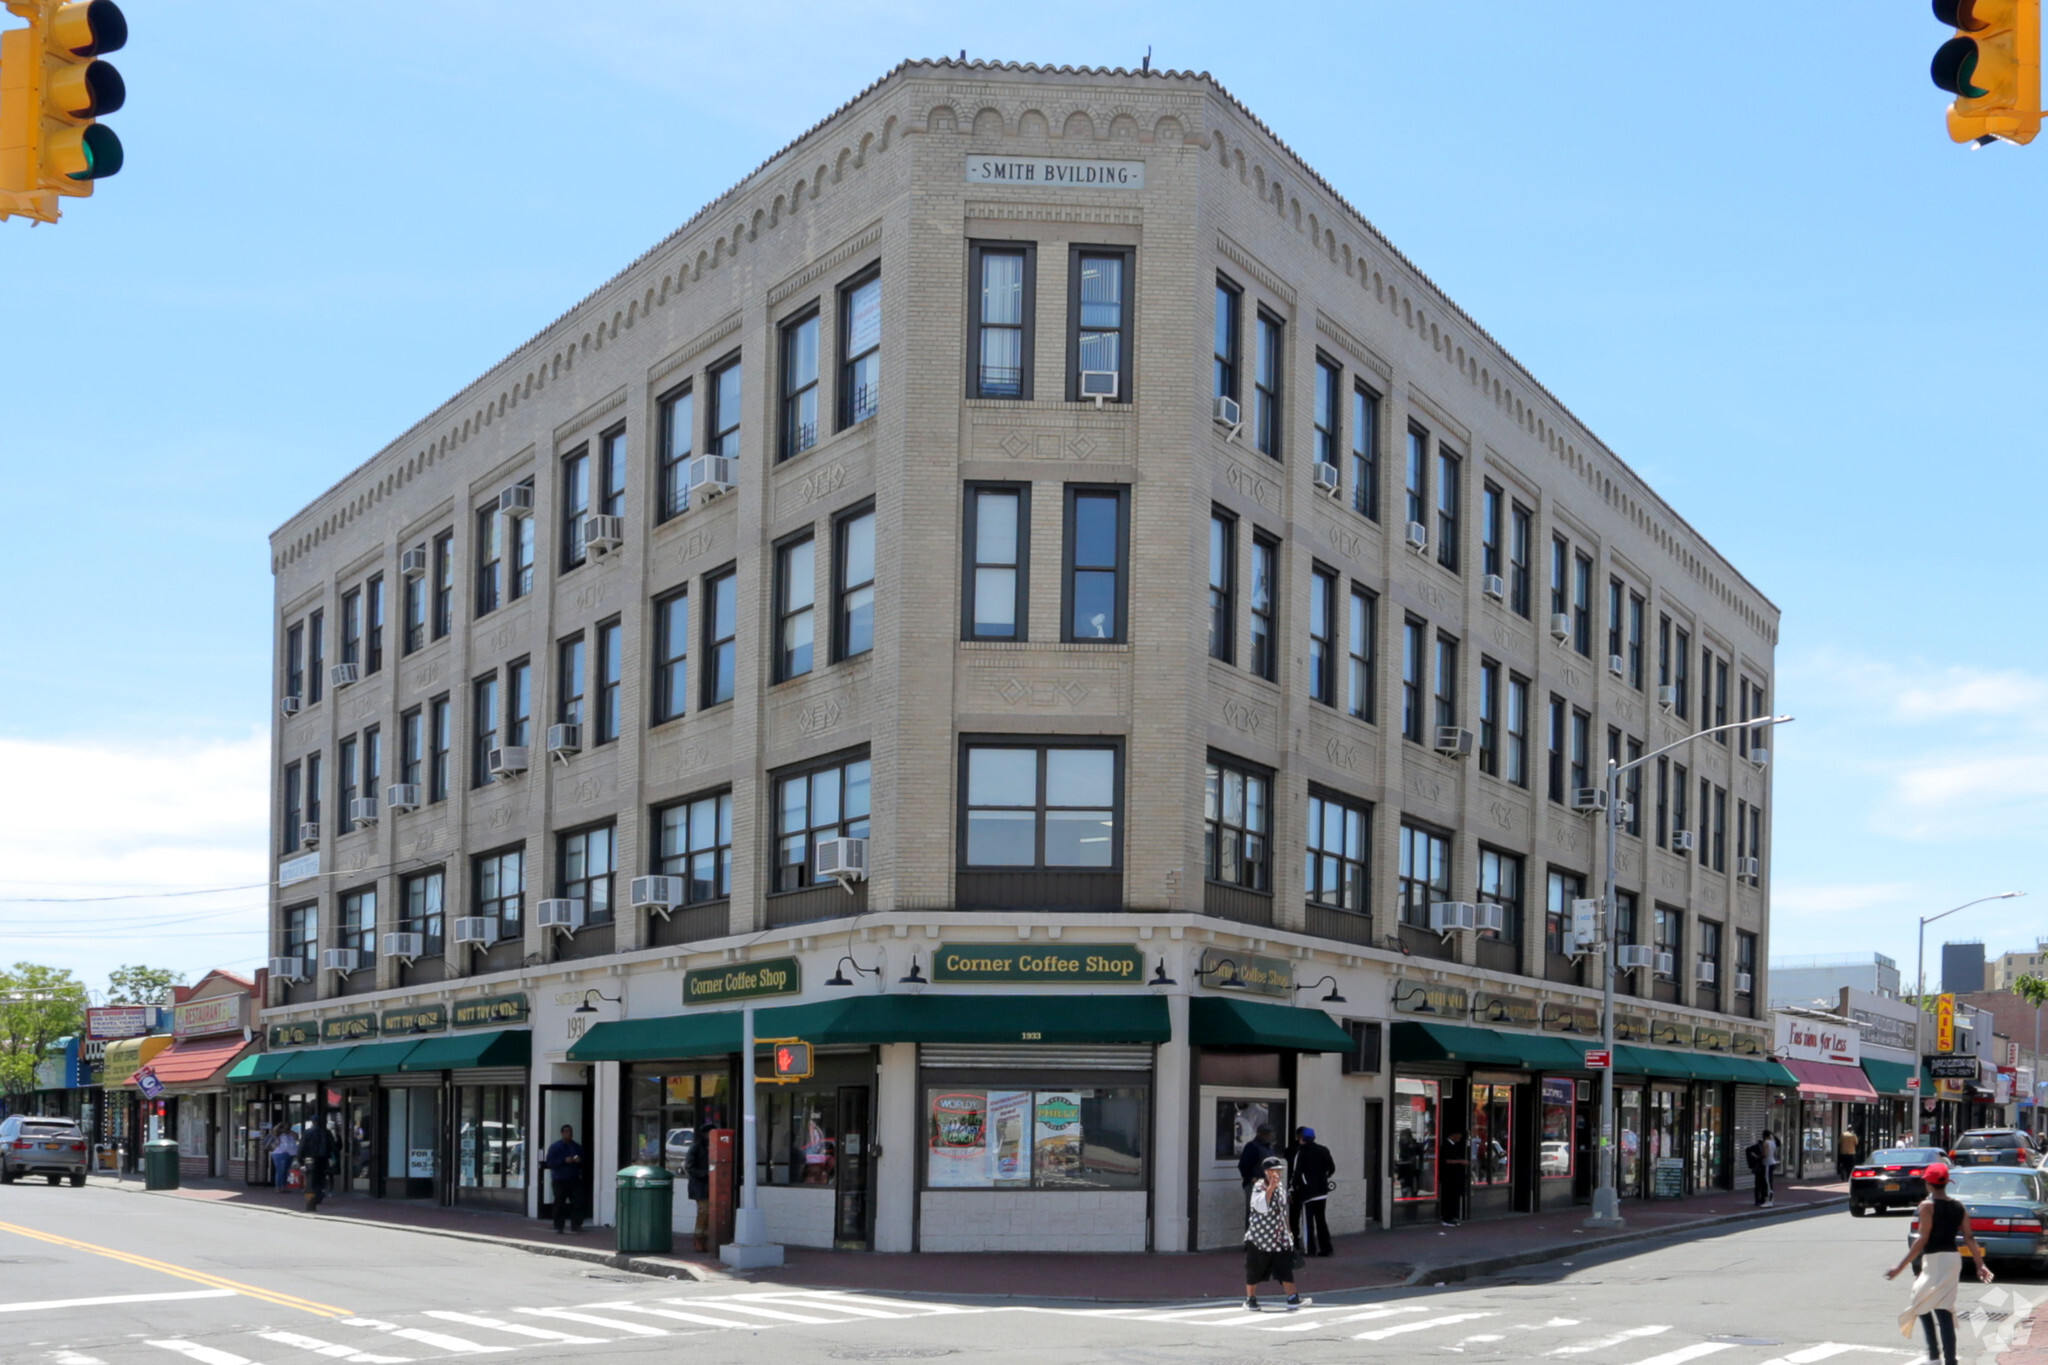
(1891, 1179)
(1993, 1147)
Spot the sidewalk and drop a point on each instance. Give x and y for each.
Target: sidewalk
(1424, 1254)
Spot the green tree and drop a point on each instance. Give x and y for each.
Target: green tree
(2032, 989)
(38, 1005)
(140, 985)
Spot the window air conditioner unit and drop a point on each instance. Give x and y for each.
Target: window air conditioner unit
(413, 563)
(1744, 983)
(1454, 740)
(1327, 480)
(407, 946)
(516, 500)
(1749, 867)
(602, 534)
(288, 705)
(1099, 385)
(1589, 799)
(843, 860)
(287, 968)
(1616, 665)
(1228, 414)
(339, 960)
(712, 476)
(561, 914)
(1444, 916)
(1492, 918)
(1560, 627)
(363, 811)
(1760, 755)
(1494, 586)
(661, 894)
(309, 834)
(1665, 965)
(508, 761)
(1703, 972)
(400, 796)
(1667, 697)
(1418, 537)
(565, 739)
(344, 674)
(473, 929)
(1630, 956)
(1681, 841)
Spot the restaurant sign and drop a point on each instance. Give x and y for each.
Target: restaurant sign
(981, 963)
(490, 1011)
(1246, 971)
(415, 1019)
(348, 1028)
(1421, 997)
(1579, 1019)
(296, 1034)
(1516, 1011)
(743, 981)
(216, 1014)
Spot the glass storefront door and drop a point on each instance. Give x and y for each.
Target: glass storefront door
(1709, 1126)
(1629, 1139)
(850, 1161)
(412, 1140)
(357, 1123)
(560, 1106)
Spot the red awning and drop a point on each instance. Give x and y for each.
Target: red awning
(191, 1062)
(1827, 1081)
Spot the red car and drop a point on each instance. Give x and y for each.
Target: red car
(1891, 1179)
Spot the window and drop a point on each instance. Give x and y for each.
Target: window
(1489, 717)
(490, 559)
(1745, 961)
(1616, 595)
(676, 413)
(1707, 688)
(1670, 935)
(1627, 931)
(412, 746)
(1663, 800)
(1708, 950)
(800, 385)
(444, 583)
(853, 584)
(795, 594)
(1663, 651)
(721, 636)
(1266, 384)
(610, 670)
(1365, 452)
(1491, 505)
(1265, 627)
(499, 880)
(1681, 679)
(1339, 869)
(316, 656)
(1720, 829)
(1097, 524)
(373, 760)
(1720, 698)
(314, 786)
(569, 680)
(1447, 493)
(1040, 806)
(1518, 730)
(1560, 561)
(295, 661)
(373, 625)
(1446, 681)
(522, 531)
(828, 802)
(352, 627)
(611, 473)
(415, 611)
(1582, 605)
(1002, 313)
(860, 349)
(1556, 731)
(1635, 641)
(575, 505)
(587, 858)
(723, 425)
(345, 756)
(1563, 888)
(1704, 840)
(422, 895)
(1680, 786)
(1500, 883)
(358, 928)
(1632, 787)
(1222, 585)
(1237, 813)
(671, 655)
(302, 938)
(1521, 535)
(1414, 644)
(1416, 480)
(1099, 314)
(441, 738)
(294, 808)
(1756, 841)
(483, 711)
(1329, 390)
(1322, 635)
(1582, 750)
(1094, 1135)
(695, 843)
(1360, 685)
(998, 537)
(519, 703)
(1425, 875)
(1229, 303)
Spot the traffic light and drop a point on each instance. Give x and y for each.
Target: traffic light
(792, 1060)
(53, 88)
(1993, 67)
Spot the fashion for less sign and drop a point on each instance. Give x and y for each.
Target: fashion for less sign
(1810, 1040)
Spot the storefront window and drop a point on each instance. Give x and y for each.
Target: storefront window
(1087, 1138)
(1492, 1133)
(800, 1137)
(1708, 1117)
(1629, 1139)
(1239, 1121)
(490, 1136)
(1414, 1138)
(412, 1132)
(669, 1105)
(1558, 1099)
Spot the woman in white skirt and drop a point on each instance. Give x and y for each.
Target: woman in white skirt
(1942, 1221)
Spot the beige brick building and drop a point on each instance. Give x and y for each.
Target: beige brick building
(1047, 479)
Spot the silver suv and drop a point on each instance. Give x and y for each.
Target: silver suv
(53, 1147)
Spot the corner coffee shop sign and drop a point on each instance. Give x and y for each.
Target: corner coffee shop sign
(743, 981)
(981, 963)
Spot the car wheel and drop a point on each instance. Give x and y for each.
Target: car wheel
(1857, 1210)
(78, 1181)
(56, 1180)
(6, 1176)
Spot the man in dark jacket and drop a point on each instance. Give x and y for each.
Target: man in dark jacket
(316, 1157)
(564, 1165)
(1251, 1162)
(697, 1177)
(1314, 1168)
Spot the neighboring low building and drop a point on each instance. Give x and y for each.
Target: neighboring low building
(1818, 982)
(212, 1025)
(1962, 968)
(2007, 968)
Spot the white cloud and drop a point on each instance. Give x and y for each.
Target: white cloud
(1841, 898)
(1970, 692)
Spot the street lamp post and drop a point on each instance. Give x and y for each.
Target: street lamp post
(1607, 1199)
(1920, 980)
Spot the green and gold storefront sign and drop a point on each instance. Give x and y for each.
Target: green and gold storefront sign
(1512, 1011)
(1668, 1033)
(1709, 1038)
(415, 1019)
(294, 1035)
(1424, 997)
(1581, 1020)
(981, 963)
(743, 981)
(1751, 1045)
(492, 1011)
(1631, 1028)
(349, 1028)
(1247, 971)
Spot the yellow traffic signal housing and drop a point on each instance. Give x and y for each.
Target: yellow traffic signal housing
(788, 1060)
(53, 89)
(1993, 67)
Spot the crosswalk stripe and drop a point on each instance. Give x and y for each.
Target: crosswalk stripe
(782, 1315)
(859, 1310)
(1367, 1316)
(590, 1319)
(701, 1319)
(75, 1358)
(912, 1306)
(205, 1355)
(328, 1348)
(518, 1329)
(1602, 1343)
(1685, 1353)
(1246, 1319)
(439, 1340)
(1824, 1351)
(1190, 1314)
(1399, 1328)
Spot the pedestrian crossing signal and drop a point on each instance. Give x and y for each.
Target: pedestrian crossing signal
(789, 1060)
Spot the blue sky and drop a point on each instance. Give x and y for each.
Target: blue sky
(1744, 253)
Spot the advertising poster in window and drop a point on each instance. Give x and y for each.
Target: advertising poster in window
(1057, 1142)
(1009, 1120)
(958, 1141)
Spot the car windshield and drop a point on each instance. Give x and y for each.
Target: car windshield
(1907, 1156)
(1974, 1140)
(1980, 1186)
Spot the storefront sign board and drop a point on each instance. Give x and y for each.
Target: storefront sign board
(1055, 172)
(104, 1023)
(743, 981)
(1750, 1045)
(349, 1028)
(1814, 1040)
(1953, 1068)
(1882, 1030)
(296, 1034)
(1945, 1023)
(1631, 1028)
(1422, 997)
(1582, 1019)
(1668, 1033)
(492, 1011)
(414, 1019)
(217, 1014)
(1005, 963)
(1515, 1011)
(1710, 1038)
(1265, 975)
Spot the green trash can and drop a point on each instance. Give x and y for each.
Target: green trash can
(160, 1165)
(647, 1201)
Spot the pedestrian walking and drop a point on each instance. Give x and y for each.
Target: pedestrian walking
(1268, 1244)
(316, 1158)
(564, 1165)
(1309, 1192)
(697, 1178)
(1253, 1158)
(1454, 1169)
(1942, 1217)
(1759, 1182)
(1770, 1168)
(284, 1150)
(1845, 1152)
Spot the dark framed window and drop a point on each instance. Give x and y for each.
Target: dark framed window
(520, 534)
(1237, 814)
(519, 703)
(1328, 410)
(1582, 605)
(315, 786)
(1365, 452)
(1681, 785)
(1635, 640)
(444, 583)
(1229, 307)
(1492, 527)
(302, 937)
(1663, 650)
(1099, 317)
(1561, 889)
(1264, 602)
(1518, 730)
(1322, 635)
(1632, 786)
(1338, 869)
(1268, 338)
(1446, 681)
(853, 583)
(610, 674)
(412, 746)
(694, 842)
(1720, 829)
(294, 808)
(1521, 542)
(498, 890)
(1414, 661)
(423, 896)
(358, 926)
(575, 505)
(414, 610)
(721, 614)
(860, 348)
(490, 559)
(799, 385)
(483, 735)
(571, 677)
(1670, 938)
(671, 655)
(827, 800)
(795, 606)
(373, 760)
(1560, 576)
(1681, 680)
(1425, 874)
(1617, 597)
(1720, 698)
(440, 746)
(996, 548)
(352, 629)
(1556, 746)
(1500, 883)
(373, 623)
(295, 661)
(722, 423)
(586, 861)
(1361, 685)
(1415, 482)
(676, 423)
(1040, 805)
(1708, 949)
(1745, 961)
(348, 772)
(1581, 751)
(1663, 800)
(1003, 306)
(1222, 585)
(1489, 716)
(1449, 487)
(1098, 552)
(316, 656)
(610, 493)
(1628, 929)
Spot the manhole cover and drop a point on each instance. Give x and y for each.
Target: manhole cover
(1748, 1341)
(895, 1353)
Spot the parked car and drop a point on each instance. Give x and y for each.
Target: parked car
(1993, 1147)
(2008, 1212)
(1890, 1179)
(32, 1145)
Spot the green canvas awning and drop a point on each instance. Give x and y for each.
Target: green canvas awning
(257, 1066)
(1888, 1078)
(493, 1047)
(706, 1033)
(972, 1019)
(1414, 1041)
(1554, 1054)
(375, 1059)
(1217, 1022)
(1652, 1061)
(311, 1064)
(1776, 1073)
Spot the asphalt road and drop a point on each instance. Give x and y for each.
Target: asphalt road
(104, 1277)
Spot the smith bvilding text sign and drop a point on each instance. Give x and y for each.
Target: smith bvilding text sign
(1055, 172)
(743, 981)
(1005, 962)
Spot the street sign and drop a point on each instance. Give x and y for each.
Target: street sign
(148, 1084)
(1599, 1059)
(1912, 1082)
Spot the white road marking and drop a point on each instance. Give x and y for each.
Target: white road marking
(328, 1348)
(759, 1310)
(701, 1319)
(880, 1301)
(821, 1303)
(1685, 1353)
(117, 1298)
(1602, 1343)
(1367, 1316)
(518, 1329)
(1830, 1348)
(592, 1320)
(1400, 1328)
(205, 1355)
(1190, 1314)
(74, 1358)
(438, 1340)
